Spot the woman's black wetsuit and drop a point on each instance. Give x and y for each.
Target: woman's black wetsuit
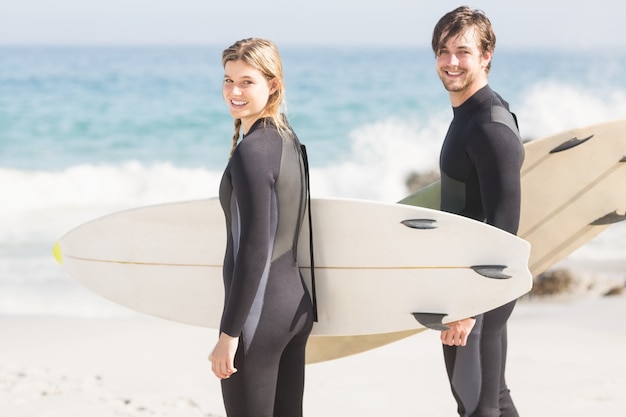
(267, 305)
(480, 163)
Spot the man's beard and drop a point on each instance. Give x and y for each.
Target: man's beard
(458, 85)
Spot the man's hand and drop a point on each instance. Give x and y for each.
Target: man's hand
(458, 332)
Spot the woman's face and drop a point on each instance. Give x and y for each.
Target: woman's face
(246, 92)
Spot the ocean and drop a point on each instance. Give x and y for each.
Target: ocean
(86, 131)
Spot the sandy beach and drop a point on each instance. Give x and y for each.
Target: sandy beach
(566, 357)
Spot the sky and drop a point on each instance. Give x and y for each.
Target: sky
(529, 24)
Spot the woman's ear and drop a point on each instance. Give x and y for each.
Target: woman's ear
(273, 86)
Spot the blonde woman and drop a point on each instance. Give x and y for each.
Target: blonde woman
(268, 313)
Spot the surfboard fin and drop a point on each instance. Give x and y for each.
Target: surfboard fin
(569, 144)
(420, 223)
(491, 271)
(610, 218)
(432, 321)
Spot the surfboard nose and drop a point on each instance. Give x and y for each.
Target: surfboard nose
(58, 254)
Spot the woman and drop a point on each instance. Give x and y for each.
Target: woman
(268, 313)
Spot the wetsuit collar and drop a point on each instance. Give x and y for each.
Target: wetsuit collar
(258, 124)
(471, 103)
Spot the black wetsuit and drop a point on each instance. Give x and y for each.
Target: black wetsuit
(267, 305)
(480, 163)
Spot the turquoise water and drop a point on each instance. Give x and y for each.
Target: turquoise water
(89, 130)
(65, 106)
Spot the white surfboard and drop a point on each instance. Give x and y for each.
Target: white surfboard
(573, 188)
(380, 267)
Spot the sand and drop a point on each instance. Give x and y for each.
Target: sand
(566, 358)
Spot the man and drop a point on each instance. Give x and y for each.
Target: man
(480, 164)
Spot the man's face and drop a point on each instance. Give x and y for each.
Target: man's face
(461, 65)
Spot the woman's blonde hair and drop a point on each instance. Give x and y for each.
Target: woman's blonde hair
(263, 55)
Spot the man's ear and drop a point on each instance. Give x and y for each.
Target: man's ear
(487, 58)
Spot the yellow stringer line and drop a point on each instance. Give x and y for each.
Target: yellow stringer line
(303, 267)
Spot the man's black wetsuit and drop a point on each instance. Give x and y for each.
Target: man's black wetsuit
(480, 164)
(267, 305)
